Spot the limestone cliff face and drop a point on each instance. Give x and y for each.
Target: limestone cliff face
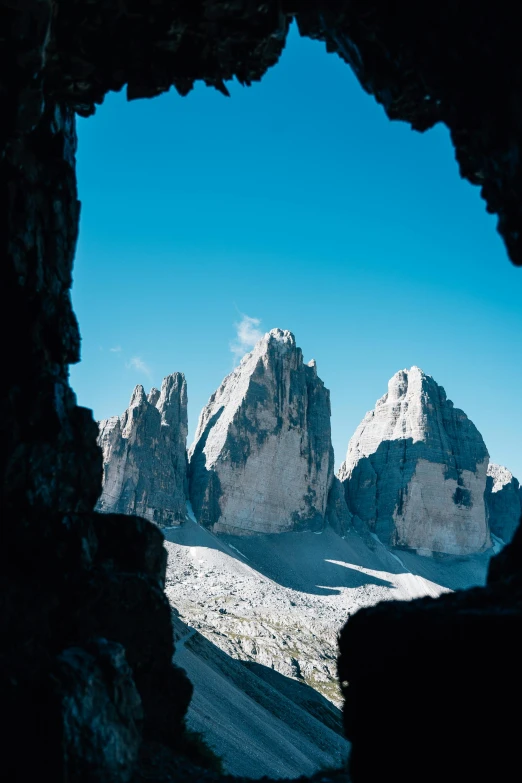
(144, 455)
(415, 470)
(262, 459)
(503, 501)
(338, 514)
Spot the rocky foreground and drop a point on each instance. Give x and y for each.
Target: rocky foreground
(276, 603)
(276, 552)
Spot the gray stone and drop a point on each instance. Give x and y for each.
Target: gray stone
(415, 471)
(337, 512)
(144, 455)
(503, 501)
(262, 459)
(102, 713)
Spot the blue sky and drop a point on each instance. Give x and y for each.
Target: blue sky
(298, 203)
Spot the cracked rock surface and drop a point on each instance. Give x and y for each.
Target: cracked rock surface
(415, 471)
(144, 455)
(503, 501)
(262, 459)
(279, 601)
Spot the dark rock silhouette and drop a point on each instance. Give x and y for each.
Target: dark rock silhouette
(97, 690)
(441, 647)
(258, 720)
(443, 65)
(424, 64)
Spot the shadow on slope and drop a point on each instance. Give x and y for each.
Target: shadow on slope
(302, 694)
(300, 561)
(325, 563)
(259, 721)
(450, 571)
(318, 563)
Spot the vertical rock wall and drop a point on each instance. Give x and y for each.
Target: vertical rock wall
(503, 501)
(262, 459)
(145, 455)
(415, 470)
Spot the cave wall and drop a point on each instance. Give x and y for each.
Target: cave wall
(86, 661)
(451, 62)
(86, 665)
(436, 685)
(424, 63)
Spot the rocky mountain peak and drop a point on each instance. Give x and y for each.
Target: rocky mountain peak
(172, 402)
(144, 455)
(500, 477)
(262, 459)
(414, 388)
(503, 501)
(153, 396)
(313, 366)
(138, 396)
(275, 343)
(282, 337)
(415, 470)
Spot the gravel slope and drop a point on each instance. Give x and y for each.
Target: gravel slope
(277, 602)
(259, 727)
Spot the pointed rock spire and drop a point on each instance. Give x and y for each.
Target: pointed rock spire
(138, 396)
(262, 459)
(415, 470)
(503, 501)
(153, 396)
(144, 455)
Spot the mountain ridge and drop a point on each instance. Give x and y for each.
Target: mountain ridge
(262, 459)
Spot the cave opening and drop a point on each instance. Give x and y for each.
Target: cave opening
(192, 232)
(303, 199)
(89, 671)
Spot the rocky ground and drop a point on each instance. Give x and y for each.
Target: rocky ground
(276, 603)
(159, 765)
(258, 721)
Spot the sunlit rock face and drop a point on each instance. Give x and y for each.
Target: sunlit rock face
(415, 470)
(144, 455)
(262, 459)
(503, 501)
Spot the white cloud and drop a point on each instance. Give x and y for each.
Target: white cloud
(247, 335)
(137, 363)
(117, 349)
